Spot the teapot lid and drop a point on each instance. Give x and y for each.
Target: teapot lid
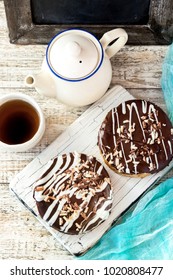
(74, 55)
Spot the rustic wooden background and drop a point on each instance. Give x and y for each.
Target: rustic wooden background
(138, 69)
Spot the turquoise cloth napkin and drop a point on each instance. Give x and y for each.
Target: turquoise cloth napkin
(146, 232)
(167, 81)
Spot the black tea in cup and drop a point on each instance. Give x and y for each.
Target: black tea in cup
(19, 122)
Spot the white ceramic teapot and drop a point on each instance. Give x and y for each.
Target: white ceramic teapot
(77, 69)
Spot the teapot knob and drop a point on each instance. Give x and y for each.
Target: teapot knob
(73, 49)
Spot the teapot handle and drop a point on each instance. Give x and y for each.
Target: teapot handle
(119, 34)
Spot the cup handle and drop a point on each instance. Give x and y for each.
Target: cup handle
(119, 34)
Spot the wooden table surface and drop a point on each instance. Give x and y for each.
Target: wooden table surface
(138, 69)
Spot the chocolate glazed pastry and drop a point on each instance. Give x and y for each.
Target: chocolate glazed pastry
(74, 194)
(136, 139)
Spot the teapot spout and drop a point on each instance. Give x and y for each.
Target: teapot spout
(42, 83)
(30, 81)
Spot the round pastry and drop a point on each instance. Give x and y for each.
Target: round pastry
(136, 138)
(74, 194)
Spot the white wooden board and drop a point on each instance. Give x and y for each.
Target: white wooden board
(81, 136)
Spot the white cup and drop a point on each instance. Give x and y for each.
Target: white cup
(22, 123)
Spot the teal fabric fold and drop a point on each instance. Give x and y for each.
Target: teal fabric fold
(167, 81)
(146, 232)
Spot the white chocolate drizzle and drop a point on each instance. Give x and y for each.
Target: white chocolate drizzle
(138, 141)
(68, 188)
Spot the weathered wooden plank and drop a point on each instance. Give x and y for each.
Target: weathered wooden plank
(133, 67)
(161, 18)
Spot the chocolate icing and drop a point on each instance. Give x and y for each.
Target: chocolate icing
(74, 194)
(136, 138)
